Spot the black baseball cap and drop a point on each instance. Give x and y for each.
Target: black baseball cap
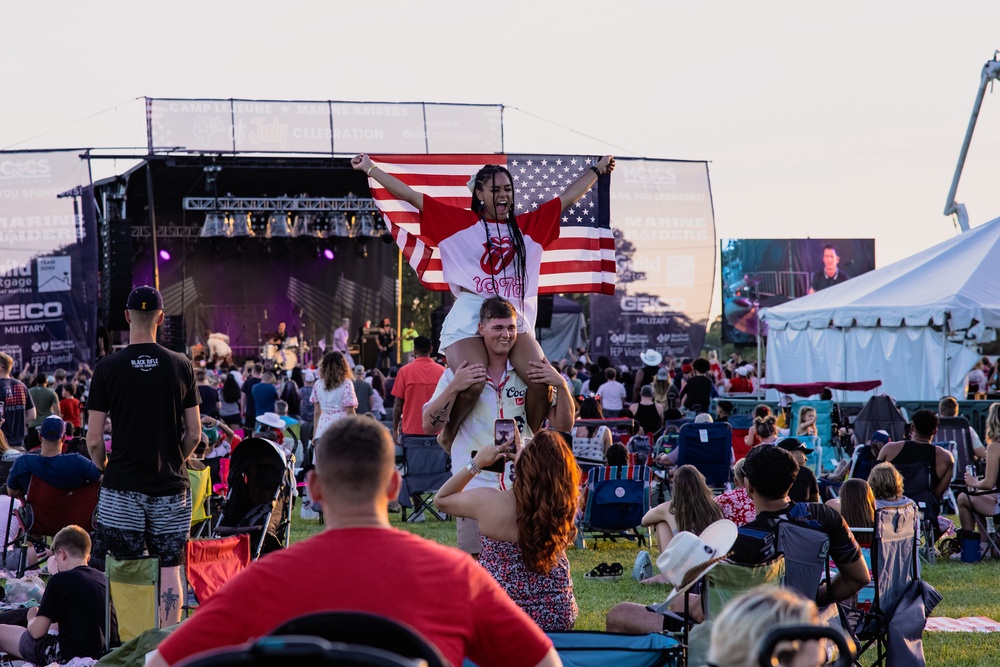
(144, 298)
(794, 445)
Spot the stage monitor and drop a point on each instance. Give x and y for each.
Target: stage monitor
(761, 273)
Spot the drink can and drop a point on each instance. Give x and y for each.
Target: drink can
(970, 470)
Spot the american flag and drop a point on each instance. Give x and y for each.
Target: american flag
(581, 260)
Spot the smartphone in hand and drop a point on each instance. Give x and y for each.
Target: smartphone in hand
(503, 430)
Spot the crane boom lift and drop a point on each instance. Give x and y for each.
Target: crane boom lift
(991, 71)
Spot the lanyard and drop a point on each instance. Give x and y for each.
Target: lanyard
(499, 390)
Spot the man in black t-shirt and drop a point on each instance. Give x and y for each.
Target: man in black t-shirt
(145, 500)
(208, 394)
(249, 406)
(770, 472)
(830, 274)
(805, 488)
(697, 393)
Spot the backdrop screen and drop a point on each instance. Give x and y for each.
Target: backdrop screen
(760, 273)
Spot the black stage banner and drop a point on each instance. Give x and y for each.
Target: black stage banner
(48, 259)
(664, 227)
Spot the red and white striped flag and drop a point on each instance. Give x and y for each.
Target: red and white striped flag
(582, 259)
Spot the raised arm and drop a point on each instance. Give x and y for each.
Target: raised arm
(579, 187)
(395, 186)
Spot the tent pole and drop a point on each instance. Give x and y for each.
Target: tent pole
(945, 385)
(843, 374)
(757, 389)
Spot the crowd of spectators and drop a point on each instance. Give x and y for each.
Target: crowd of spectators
(342, 423)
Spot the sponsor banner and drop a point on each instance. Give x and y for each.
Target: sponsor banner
(761, 273)
(664, 227)
(268, 126)
(48, 259)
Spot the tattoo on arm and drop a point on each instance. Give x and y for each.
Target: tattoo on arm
(439, 416)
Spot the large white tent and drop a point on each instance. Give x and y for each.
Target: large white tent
(914, 324)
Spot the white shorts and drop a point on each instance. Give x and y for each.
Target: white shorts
(462, 320)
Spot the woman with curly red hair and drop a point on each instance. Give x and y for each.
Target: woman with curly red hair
(527, 527)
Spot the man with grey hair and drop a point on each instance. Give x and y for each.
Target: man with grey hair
(368, 566)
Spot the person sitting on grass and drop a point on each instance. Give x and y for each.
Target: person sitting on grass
(73, 598)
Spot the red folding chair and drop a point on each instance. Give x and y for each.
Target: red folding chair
(47, 510)
(213, 562)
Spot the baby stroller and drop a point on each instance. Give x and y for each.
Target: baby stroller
(259, 501)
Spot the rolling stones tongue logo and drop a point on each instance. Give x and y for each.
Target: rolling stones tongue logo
(497, 255)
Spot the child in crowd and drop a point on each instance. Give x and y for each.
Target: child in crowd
(74, 598)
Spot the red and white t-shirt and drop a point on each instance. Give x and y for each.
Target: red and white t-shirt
(479, 258)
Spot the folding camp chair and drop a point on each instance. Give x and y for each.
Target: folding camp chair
(210, 563)
(814, 460)
(10, 524)
(899, 595)
(741, 425)
(956, 430)
(806, 552)
(300, 650)
(47, 510)
(824, 427)
(133, 595)
(918, 486)
(640, 450)
(587, 649)
(617, 499)
(722, 584)
(364, 629)
(588, 452)
(201, 501)
(426, 466)
(709, 448)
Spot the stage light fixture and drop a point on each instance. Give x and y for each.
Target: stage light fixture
(215, 225)
(165, 253)
(386, 238)
(238, 225)
(341, 226)
(329, 254)
(277, 225)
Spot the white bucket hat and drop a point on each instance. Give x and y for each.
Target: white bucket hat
(271, 419)
(651, 357)
(688, 556)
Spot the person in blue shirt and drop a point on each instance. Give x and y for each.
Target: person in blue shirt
(63, 471)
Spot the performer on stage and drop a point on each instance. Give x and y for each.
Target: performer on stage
(341, 336)
(218, 348)
(279, 336)
(387, 338)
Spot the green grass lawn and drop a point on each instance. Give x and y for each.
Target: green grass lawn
(968, 590)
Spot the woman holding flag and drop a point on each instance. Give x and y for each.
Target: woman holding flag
(486, 250)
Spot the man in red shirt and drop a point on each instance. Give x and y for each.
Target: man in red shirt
(414, 386)
(70, 406)
(361, 563)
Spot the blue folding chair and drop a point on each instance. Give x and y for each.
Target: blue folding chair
(824, 429)
(593, 649)
(709, 448)
(617, 499)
